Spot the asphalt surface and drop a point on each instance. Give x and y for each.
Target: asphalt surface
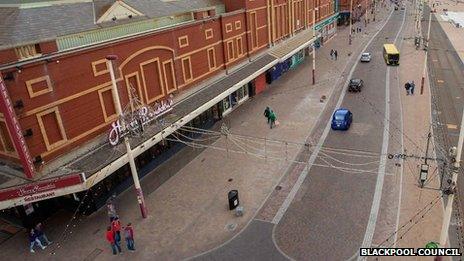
(445, 70)
(327, 220)
(333, 207)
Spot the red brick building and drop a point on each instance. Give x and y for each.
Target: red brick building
(358, 7)
(57, 107)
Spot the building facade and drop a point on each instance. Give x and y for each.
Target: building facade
(358, 7)
(58, 110)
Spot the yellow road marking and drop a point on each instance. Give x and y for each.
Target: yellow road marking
(452, 126)
(440, 81)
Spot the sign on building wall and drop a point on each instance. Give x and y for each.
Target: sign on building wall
(133, 122)
(6, 107)
(42, 189)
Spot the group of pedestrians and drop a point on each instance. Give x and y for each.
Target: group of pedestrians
(333, 54)
(409, 86)
(271, 117)
(37, 237)
(113, 231)
(356, 30)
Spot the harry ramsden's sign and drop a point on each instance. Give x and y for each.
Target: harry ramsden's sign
(42, 189)
(140, 118)
(15, 131)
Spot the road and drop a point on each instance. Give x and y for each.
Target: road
(446, 69)
(334, 211)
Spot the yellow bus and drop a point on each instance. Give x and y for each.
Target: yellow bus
(391, 54)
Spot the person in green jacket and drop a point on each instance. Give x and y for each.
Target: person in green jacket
(267, 111)
(273, 118)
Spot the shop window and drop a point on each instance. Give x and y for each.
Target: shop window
(28, 51)
(211, 58)
(226, 105)
(187, 69)
(6, 144)
(39, 86)
(52, 128)
(107, 104)
(242, 93)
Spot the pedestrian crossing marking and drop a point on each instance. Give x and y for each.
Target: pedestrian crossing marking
(452, 126)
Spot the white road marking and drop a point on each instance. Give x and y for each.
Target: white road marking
(400, 193)
(288, 200)
(381, 177)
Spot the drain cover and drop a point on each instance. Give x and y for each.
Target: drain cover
(278, 188)
(231, 227)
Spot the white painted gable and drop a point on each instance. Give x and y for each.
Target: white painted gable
(118, 10)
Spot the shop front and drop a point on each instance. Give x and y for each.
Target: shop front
(297, 59)
(97, 196)
(327, 29)
(236, 98)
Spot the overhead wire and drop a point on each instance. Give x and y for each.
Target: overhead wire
(176, 139)
(411, 221)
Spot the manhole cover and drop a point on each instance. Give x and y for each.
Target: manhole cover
(278, 188)
(231, 227)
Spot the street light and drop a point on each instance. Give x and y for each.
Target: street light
(426, 52)
(351, 21)
(117, 103)
(314, 42)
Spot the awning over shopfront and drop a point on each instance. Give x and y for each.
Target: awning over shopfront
(293, 45)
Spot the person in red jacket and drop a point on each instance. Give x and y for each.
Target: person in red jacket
(116, 226)
(114, 244)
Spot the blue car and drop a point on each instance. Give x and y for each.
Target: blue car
(341, 119)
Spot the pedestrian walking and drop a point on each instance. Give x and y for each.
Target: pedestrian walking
(273, 118)
(110, 238)
(332, 52)
(129, 235)
(41, 235)
(116, 227)
(413, 85)
(336, 54)
(407, 86)
(111, 209)
(267, 112)
(33, 240)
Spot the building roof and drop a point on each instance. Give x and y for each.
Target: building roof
(24, 23)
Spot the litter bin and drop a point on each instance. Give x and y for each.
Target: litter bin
(233, 199)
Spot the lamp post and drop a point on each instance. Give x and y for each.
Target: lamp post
(351, 21)
(117, 103)
(426, 52)
(454, 179)
(314, 43)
